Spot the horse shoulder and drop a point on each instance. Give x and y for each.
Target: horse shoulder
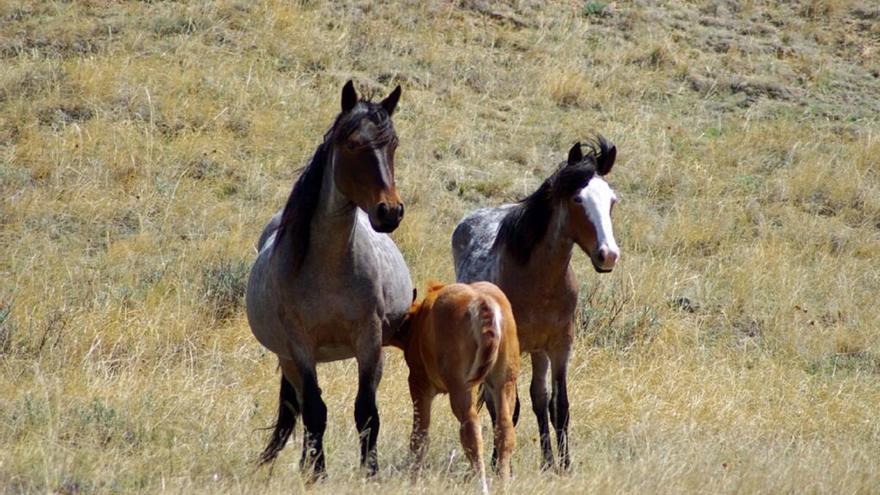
(269, 230)
(389, 276)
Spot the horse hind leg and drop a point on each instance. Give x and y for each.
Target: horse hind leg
(485, 397)
(504, 397)
(288, 410)
(462, 400)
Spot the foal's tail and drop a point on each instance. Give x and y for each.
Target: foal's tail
(288, 410)
(486, 317)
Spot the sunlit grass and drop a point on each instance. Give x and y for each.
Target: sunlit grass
(144, 145)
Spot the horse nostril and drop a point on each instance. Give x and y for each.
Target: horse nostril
(607, 256)
(400, 211)
(382, 210)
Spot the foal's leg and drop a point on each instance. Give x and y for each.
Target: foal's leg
(422, 396)
(504, 397)
(559, 404)
(488, 398)
(540, 405)
(461, 398)
(288, 410)
(366, 414)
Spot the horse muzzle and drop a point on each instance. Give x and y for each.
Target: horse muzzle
(385, 218)
(605, 259)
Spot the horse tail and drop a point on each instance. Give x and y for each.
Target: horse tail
(486, 320)
(288, 410)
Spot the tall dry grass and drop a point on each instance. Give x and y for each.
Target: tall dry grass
(144, 145)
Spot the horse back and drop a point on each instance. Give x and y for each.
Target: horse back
(472, 243)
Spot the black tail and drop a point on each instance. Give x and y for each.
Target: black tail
(288, 410)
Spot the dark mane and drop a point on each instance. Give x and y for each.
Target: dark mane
(296, 218)
(525, 225)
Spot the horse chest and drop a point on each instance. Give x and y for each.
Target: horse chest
(543, 319)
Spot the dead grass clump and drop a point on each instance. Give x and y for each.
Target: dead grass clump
(223, 287)
(608, 318)
(568, 88)
(824, 9)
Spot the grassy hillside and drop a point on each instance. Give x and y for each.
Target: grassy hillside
(144, 145)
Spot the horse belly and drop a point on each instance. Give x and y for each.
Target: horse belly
(333, 352)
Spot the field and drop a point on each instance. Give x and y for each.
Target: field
(143, 146)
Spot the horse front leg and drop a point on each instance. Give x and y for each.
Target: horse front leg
(559, 403)
(366, 414)
(314, 413)
(541, 405)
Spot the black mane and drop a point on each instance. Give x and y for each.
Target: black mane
(526, 224)
(296, 218)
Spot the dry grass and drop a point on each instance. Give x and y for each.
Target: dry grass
(144, 145)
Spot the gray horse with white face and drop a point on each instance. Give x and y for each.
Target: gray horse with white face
(328, 283)
(525, 248)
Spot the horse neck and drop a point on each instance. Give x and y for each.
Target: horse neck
(549, 260)
(332, 224)
(335, 218)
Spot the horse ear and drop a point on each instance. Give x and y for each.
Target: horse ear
(349, 96)
(390, 103)
(575, 154)
(607, 155)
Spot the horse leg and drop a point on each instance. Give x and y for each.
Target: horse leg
(504, 396)
(541, 404)
(461, 398)
(288, 410)
(559, 405)
(314, 413)
(422, 397)
(366, 414)
(488, 396)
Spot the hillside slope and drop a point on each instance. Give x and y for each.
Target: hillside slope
(144, 145)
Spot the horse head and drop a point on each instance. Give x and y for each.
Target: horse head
(364, 143)
(591, 202)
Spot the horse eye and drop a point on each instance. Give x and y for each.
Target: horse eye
(578, 199)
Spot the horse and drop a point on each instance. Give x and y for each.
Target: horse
(459, 337)
(328, 282)
(525, 248)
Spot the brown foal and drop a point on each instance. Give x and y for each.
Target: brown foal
(458, 337)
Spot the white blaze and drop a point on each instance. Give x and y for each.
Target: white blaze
(597, 197)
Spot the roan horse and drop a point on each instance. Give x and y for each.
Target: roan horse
(459, 337)
(525, 248)
(328, 284)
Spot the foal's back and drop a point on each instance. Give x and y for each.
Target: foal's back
(470, 331)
